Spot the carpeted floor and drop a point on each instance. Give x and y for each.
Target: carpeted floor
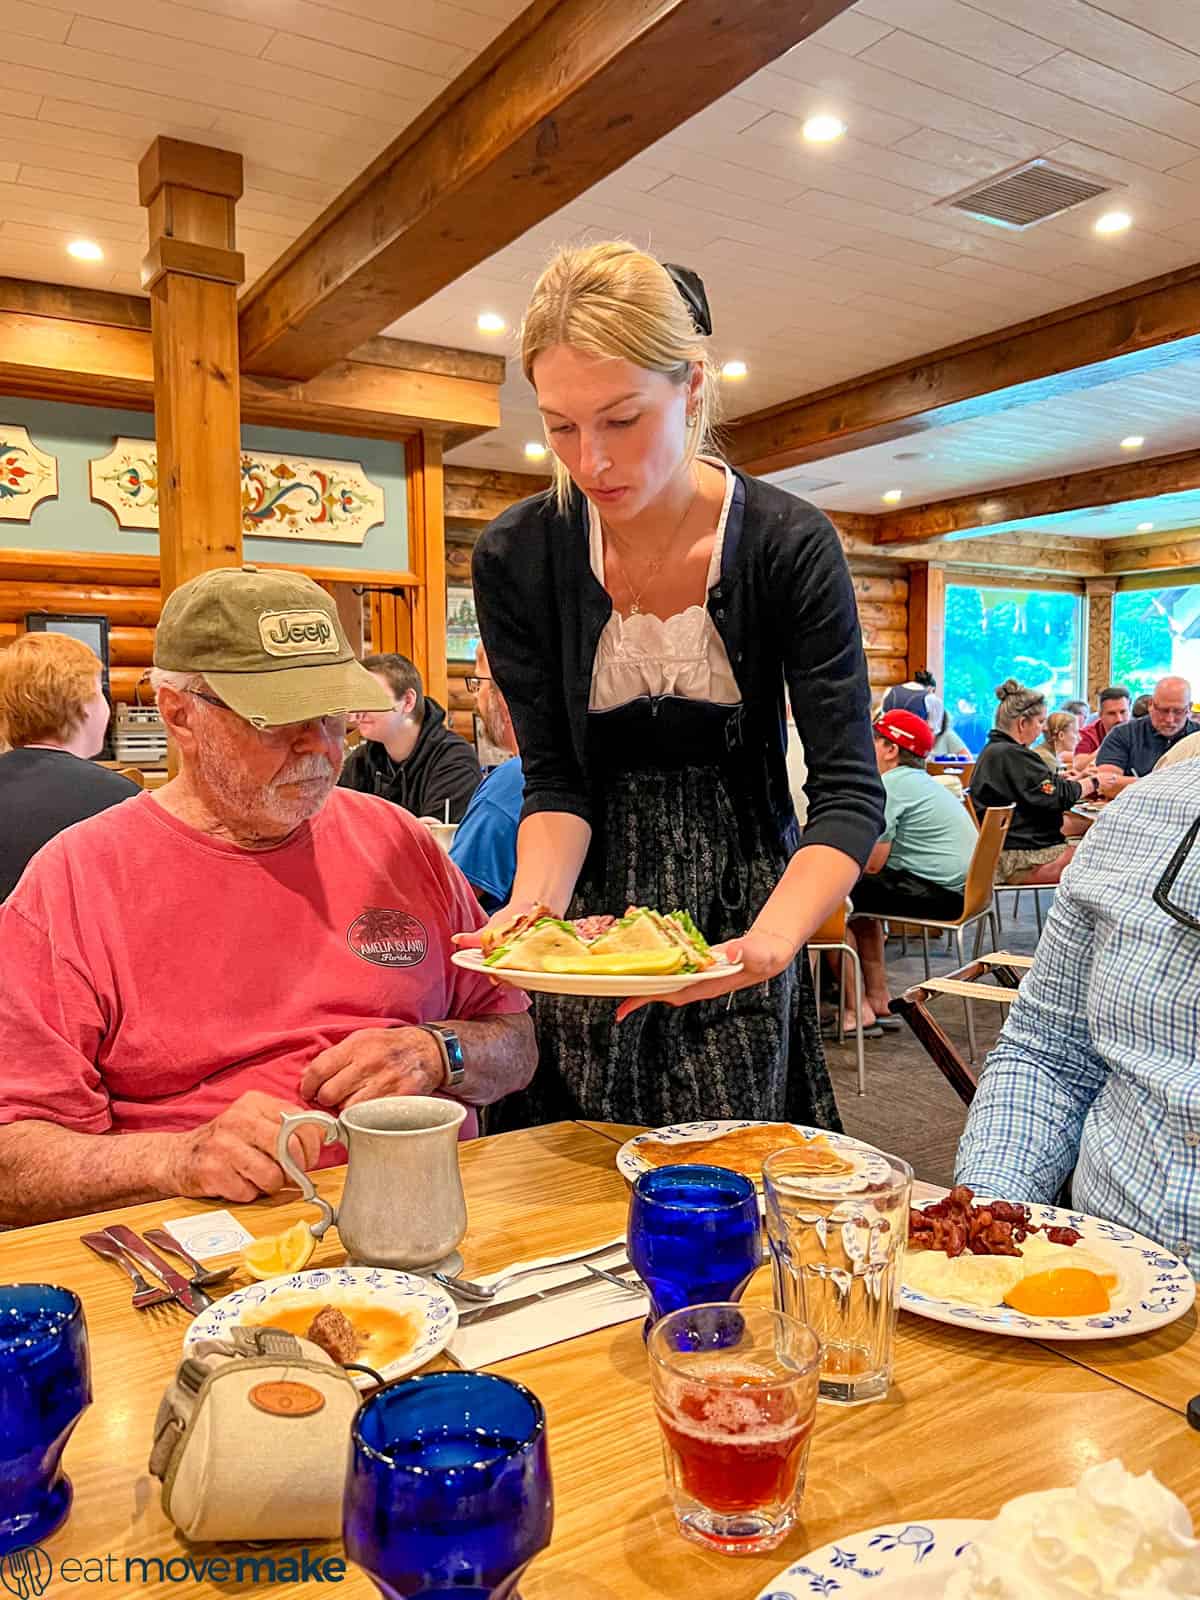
(909, 1108)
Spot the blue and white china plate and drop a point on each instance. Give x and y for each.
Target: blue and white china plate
(1154, 1289)
(345, 1287)
(592, 986)
(630, 1165)
(903, 1561)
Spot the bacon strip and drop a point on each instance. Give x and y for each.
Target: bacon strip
(957, 1225)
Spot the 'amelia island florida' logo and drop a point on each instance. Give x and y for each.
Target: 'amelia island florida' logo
(388, 938)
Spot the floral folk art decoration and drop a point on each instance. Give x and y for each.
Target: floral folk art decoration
(283, 496)
(27, 475)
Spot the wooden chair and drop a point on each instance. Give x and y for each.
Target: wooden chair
(954, 769)
(979, 904)
(134, 774)
(968, 981)
(831, 935)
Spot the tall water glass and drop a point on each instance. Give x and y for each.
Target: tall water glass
(735, 1389)
(448, 1488)
(694, 1235)
(45, 1386)
(837, 1250)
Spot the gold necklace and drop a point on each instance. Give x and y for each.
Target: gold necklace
(656, 565)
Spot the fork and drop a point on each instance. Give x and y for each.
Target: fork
(145, 1296)
(468, 1289)
(202, 1277)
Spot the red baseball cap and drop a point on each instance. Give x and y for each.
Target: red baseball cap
(910, 732)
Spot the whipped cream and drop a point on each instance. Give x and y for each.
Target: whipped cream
(1112, 1537)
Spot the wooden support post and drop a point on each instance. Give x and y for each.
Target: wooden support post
(1099, 593)
(927, 618)
(427, 558)
(192, 272)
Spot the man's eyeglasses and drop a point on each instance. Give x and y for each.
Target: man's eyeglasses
(1161, 893)
(334, 727)
(473, 684)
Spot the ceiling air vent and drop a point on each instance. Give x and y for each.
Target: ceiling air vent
(1028, 194)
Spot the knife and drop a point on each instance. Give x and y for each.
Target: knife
(468, 1319)
(191, 1299)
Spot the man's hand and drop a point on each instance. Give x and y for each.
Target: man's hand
(371, 1063)
(233, 1156)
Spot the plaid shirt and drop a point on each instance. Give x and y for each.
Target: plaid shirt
(1098, 1064)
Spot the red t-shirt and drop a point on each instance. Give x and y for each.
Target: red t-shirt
(150, 975)
(1091, 738)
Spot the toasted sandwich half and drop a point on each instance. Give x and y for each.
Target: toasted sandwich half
(530, 945)
(679, 927)
(504, 933)
(636, 930)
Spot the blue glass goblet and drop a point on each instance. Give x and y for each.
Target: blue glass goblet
(45, 1385)
(448, 1488)
(693, 1236)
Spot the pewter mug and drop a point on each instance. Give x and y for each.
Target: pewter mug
(403, 1204)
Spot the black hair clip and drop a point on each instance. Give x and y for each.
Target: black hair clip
(691, 288)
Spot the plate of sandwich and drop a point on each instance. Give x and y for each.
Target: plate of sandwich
(644, 952)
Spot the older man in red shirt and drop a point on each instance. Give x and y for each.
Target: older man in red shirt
(247, 940)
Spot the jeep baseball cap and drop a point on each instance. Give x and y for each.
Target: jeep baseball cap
(269, 643)
(903, 728)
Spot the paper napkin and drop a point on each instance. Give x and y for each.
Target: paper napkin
(212, 1233)
(595, 1304)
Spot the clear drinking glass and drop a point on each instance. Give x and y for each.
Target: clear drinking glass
(45, 1386)
(837, 1250)
(735, 1389)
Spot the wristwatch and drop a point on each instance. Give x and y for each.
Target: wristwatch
(450, 1046)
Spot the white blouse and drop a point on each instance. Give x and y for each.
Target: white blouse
(643, 655)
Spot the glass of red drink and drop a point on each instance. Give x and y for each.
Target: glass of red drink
(735, 1389)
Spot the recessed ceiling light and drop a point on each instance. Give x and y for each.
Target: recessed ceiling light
(535, 451)
(490, 322)
(1133, 441)
(734, 370)
(823, 129)
(893, 497)
(1145, 527)
(85, 250)
(1113, 222)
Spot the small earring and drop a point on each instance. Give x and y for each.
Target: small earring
(692, 419)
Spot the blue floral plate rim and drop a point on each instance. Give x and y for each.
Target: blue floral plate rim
(1164, 1289)
(439, 1315)
(903, 1560)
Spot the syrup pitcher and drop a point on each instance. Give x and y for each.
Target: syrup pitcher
(402, 1205)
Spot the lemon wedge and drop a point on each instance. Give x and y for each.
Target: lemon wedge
(641, 964)
(280, 1253)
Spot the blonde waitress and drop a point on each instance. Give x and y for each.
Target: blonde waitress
(644, 620)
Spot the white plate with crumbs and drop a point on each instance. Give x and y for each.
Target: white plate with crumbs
(402, 1321)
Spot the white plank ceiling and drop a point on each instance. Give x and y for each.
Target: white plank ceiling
(822, 262)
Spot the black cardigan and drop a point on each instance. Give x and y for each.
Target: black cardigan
(785, 609)
(1008, 773)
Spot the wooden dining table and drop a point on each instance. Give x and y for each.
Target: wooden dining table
(971, 1420)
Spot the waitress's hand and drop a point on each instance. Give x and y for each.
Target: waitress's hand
(763, 956)
(473, 940)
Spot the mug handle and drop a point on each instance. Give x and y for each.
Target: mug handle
(333, 1133)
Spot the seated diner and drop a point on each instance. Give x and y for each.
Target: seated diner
(1009, 772)
(54, 715)
(256, 940)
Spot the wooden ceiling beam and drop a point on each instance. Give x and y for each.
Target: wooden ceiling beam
(1160, 554)
(1123, 332)
(109, 363)
(1100, 486)
(569, 92)
(1015, 553)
